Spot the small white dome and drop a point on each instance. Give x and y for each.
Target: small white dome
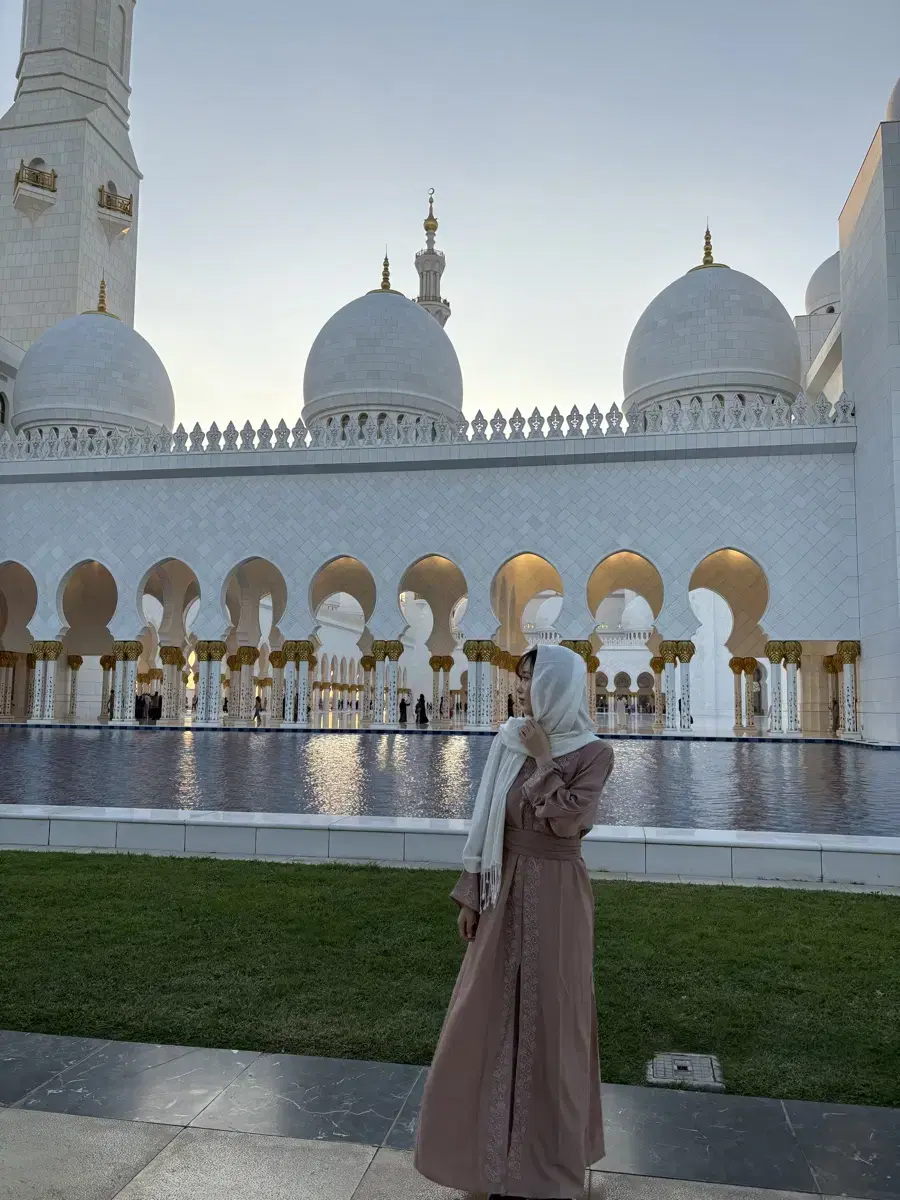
(93, 370)
(824, 288)
(712, 329)
(893, 108)
(382, 351)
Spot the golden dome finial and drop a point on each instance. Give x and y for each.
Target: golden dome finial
(430, 222)
(386, 273)
(101, 303)
(708, 259)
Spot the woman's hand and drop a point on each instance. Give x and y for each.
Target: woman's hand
(535, 742)
(468, 923)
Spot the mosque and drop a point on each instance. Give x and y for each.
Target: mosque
(756, 586)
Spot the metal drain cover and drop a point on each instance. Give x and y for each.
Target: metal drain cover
(701, 1072)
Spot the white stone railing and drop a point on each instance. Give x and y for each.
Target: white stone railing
(623, 639)
(355, 430)
(534, 637)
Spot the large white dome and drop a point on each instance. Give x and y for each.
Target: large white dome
(383, 352)
(893, 108)
(93, 370)
(824, 288)
(712, 329)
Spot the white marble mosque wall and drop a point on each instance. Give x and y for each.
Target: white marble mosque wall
(793, 513)
(870, 292)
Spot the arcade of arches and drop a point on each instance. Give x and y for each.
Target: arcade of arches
(339, 670)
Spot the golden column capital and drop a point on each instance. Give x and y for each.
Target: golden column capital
(306, 651)
(750, 665)
(774, 652)
(232, 662)
(170, 656)
(52, 650)
(74, 661)
(367, 662)
(276, 658)
(848, 652)
(107, 661)
(657, 663)
(202, 651)
(37, 651)
(831, 664)
(592, 664)
(447, 662)
(393, 650)
(247, 655)
(436, 663)
(668, 652)
(216, 651)
(736, 665)
(471, 650)
(686, 651)
(793, 652)
(133, 651)
(379, 651)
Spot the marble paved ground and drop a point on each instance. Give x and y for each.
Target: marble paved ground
(88, 1119)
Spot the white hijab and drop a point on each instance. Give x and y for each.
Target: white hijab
(559, 704)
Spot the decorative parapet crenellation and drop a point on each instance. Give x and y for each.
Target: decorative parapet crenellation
(354, 430)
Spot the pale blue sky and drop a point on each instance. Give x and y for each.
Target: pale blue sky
(576, 149)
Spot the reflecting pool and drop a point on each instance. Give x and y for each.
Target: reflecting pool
(786, 786)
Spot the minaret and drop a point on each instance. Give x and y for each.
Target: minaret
(68, 205)
(430, 265)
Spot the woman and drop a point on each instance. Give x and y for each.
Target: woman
(402, 711)
(421, 714)
(512, 1102)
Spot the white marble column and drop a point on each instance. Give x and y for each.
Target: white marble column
(793, 699)
(793, 652)
(435, 663)
(657, 666)
(667, 651)
(737, 669)
(119, 689)
(395, 649)
(750, 665)
(131, 670)
(212, 709)
(486, 681)
(108, 665)
(31, 667)
(304, 681)
(378, 709)
(36, 695)
(847, 654)
(290, 689)
(74, 661)
(276, 662)
(775, 655)
(686, 651)
(445, 685)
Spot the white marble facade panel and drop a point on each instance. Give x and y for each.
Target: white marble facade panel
(793, 514)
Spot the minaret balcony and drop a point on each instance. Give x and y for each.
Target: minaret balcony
(116, 212)
(35, 191)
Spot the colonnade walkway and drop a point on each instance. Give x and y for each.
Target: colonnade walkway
(90, 1119)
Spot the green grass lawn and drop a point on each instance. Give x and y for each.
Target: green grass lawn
(798, 993)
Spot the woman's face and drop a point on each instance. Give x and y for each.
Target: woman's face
(523, 688)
